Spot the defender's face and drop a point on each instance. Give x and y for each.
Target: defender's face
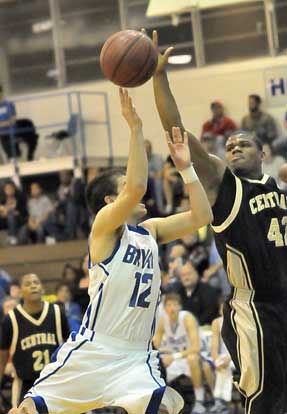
(31, 288)
(242, 155)
(172, 308)
(140, 210)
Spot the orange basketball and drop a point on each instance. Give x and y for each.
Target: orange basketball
(128, 58)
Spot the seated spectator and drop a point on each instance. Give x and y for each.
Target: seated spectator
(215, 274)
(13, 211)
(224, 367)
(173, 188)
(272, 163)
(81, 293)
(5, 281)
(70, 276)
(14, 290)
(259, 122)
(72, 309)
(212, 145)
(219, 126)
(178, 339)
(39, 208)
(7, 126)
(197, 297)
(62, 224)
(155, 173)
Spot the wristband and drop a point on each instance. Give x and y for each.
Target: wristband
(176, 355)
(189, 175)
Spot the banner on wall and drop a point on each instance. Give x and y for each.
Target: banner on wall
(276, 86)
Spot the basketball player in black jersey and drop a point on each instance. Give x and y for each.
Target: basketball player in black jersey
(250, 227)
(31, 333)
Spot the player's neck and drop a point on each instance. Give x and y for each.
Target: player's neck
(33, 307)
(173, 319)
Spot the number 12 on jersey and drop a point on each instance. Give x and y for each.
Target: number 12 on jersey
(140, 299)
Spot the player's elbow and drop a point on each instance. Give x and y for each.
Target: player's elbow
(204, 217)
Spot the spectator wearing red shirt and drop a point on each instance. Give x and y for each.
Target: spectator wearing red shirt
(219, 124)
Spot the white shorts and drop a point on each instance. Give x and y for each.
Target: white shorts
(93, 374)
(177, 368)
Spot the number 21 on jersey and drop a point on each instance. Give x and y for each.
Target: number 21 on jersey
(276, 234)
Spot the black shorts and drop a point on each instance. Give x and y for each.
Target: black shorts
(255, 334)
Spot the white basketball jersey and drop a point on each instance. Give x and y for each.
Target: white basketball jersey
(124, 289)
(176, 337)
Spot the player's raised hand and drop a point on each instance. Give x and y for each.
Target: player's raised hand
(162, 58)
(129, 111)
(179, 149)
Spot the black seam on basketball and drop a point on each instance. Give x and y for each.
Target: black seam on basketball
(138, 75)
(125, 52)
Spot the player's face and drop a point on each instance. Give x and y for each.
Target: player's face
(31, 288)
(172, 308)
(140, 210)
(243, 156)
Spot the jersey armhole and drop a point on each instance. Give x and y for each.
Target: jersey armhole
(15, 334)
(228, 202)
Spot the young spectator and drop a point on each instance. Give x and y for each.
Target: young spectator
(39, 208)
(70, 276)
(272, 163)
(13, 211)
(178, 340)
(220, 125)
(172, 186)
(222, 360)
(14, 290)
(7, 125)
(197, 297)
(258, 121)
(81, 293)
(155, 173)
(72, 309)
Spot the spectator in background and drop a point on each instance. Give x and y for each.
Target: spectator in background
(7, 125)
(70, 276)
(155, 174)
(13, 213)
(219, 126)
(72, 309)
(39, 208)
(63, 222)
(81, 293)
(197, 297)
(173, 188)
(14, 290)
(272, 163)
(259, 122)
(212, 145)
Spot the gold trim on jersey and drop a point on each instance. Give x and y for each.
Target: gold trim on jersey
(250, 347)
(263, 180)
(16, 391)
(15, 330)
(30, 318)
(58, 323)
(237, 269)
(235, 208)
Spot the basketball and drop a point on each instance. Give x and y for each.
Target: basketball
(128, 58)
(283, 173)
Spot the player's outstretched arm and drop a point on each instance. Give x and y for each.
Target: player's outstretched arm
(115, 214)
(178, 225)
(210, 169)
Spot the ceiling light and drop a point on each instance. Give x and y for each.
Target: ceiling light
(180, 59)
(44, 26)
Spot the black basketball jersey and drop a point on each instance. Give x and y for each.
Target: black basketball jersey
(34, 340)
(250, 225)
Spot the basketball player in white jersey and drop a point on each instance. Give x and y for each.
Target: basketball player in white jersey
(224, 368)
(110, 361)
(179, 341)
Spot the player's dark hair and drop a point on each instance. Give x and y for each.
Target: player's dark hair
(175, 297)
(256, 98)
(105, 184)
(251, 135)
(28, 274)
